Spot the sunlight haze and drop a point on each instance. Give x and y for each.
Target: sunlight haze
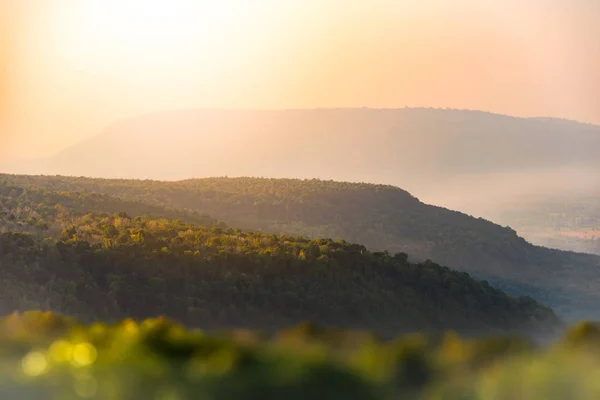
(291, 199)
(74, 67)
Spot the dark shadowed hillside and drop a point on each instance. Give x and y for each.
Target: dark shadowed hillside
(380, 217)
(107, 265)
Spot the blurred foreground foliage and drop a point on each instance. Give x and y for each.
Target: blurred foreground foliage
(46, 356)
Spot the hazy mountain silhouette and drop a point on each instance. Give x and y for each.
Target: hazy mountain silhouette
(477, 162)
(402, 146)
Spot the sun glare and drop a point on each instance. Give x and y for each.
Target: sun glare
(151, 31)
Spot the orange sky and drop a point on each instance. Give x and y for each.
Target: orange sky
(71, 67)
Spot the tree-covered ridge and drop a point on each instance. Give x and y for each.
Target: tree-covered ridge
(378, 216)
(43, 209)
(118, 266)
(46, 356)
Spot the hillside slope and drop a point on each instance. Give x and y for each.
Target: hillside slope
(110, 267)
(380, 217)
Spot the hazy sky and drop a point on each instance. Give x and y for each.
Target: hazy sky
(70, 67)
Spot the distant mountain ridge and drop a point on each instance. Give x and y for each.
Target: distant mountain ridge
(372, 145)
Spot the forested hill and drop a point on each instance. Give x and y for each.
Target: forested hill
(380, 217)
(112, 266)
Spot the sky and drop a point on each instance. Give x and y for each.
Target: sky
(69, 68)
